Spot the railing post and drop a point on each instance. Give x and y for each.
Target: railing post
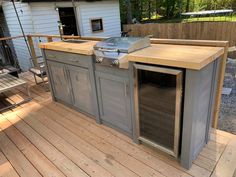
(49, 39)
(219, 88)
(31, 44)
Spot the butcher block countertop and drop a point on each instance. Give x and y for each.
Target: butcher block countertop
(85, 48)
(183, 56)
(190, 57)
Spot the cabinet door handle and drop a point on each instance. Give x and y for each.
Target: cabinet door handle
(52, 56)
(126, 89)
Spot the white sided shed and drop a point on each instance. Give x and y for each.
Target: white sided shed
(41, 17)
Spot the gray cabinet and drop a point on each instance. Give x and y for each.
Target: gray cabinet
(59, 81)
(114, 101)
(72, 80)
(81, 88)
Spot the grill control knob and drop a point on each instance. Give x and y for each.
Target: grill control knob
(99, 59)
(115, 62)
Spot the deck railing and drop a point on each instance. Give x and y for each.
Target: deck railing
(223, 44)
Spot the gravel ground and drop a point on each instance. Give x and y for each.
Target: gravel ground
(227, 120)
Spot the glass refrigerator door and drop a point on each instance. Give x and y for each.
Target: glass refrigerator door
(159, 92)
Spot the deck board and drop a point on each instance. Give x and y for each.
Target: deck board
(226, 166)
(6, 168)
(112, 154)
(159, 161)
(44, 138)
(39, 161)
(90, 166)
(16, 158)
(67, 166)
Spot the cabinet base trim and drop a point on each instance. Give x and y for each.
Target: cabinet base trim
(129, 134)
(74, 108)
(150, 143)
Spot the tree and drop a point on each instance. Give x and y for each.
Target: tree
(234, 5)
(129, 12)
(146, 9)
(187, 5)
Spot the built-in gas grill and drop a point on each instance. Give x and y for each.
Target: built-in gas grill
(110, 51)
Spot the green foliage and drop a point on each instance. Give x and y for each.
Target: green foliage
(169, 9)
(211, 4)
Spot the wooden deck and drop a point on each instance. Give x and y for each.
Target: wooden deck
(44, 138)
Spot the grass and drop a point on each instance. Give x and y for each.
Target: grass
(195, 19)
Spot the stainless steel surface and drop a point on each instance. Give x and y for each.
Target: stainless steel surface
(123, 44)
(150, 143)
(178, 99)
(108, 50)
(111, 50)
(157, 69)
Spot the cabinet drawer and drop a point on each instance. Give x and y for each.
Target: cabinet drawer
(112, 70)
(68, 58)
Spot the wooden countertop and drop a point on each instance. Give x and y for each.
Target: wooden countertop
(190, 57)
(183, 56)
(82, 48)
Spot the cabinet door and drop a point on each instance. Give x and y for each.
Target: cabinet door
(59, 81)
(114, 101)
(81, 88)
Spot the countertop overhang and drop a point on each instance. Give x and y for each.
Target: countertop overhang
(85, 48)
(182, 56)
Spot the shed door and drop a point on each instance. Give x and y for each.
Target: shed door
(67, 18)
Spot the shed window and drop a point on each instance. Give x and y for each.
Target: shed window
(96, 25)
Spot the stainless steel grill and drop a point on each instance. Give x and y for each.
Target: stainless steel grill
(111, 50)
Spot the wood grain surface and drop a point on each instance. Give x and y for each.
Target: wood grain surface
(82, 48)
(183, 56)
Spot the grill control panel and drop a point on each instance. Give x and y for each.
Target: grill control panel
(107, 61)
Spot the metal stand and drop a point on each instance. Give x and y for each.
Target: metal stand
(10, 82)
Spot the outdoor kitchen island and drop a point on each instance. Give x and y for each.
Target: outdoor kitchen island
(162, 95)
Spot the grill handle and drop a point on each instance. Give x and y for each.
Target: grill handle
(108, 50)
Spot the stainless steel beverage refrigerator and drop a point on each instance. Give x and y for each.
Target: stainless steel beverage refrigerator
(158, 104)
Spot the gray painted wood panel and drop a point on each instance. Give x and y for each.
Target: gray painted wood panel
(81, 81)
(197, 102)
(68, 58)
(112, 70)
(215, 76)
(114, 101)
(81, 88)
(59, 81)
(48, 75)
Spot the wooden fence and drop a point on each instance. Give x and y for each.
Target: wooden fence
(225, 31)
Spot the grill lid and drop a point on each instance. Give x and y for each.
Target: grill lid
(123, 44)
